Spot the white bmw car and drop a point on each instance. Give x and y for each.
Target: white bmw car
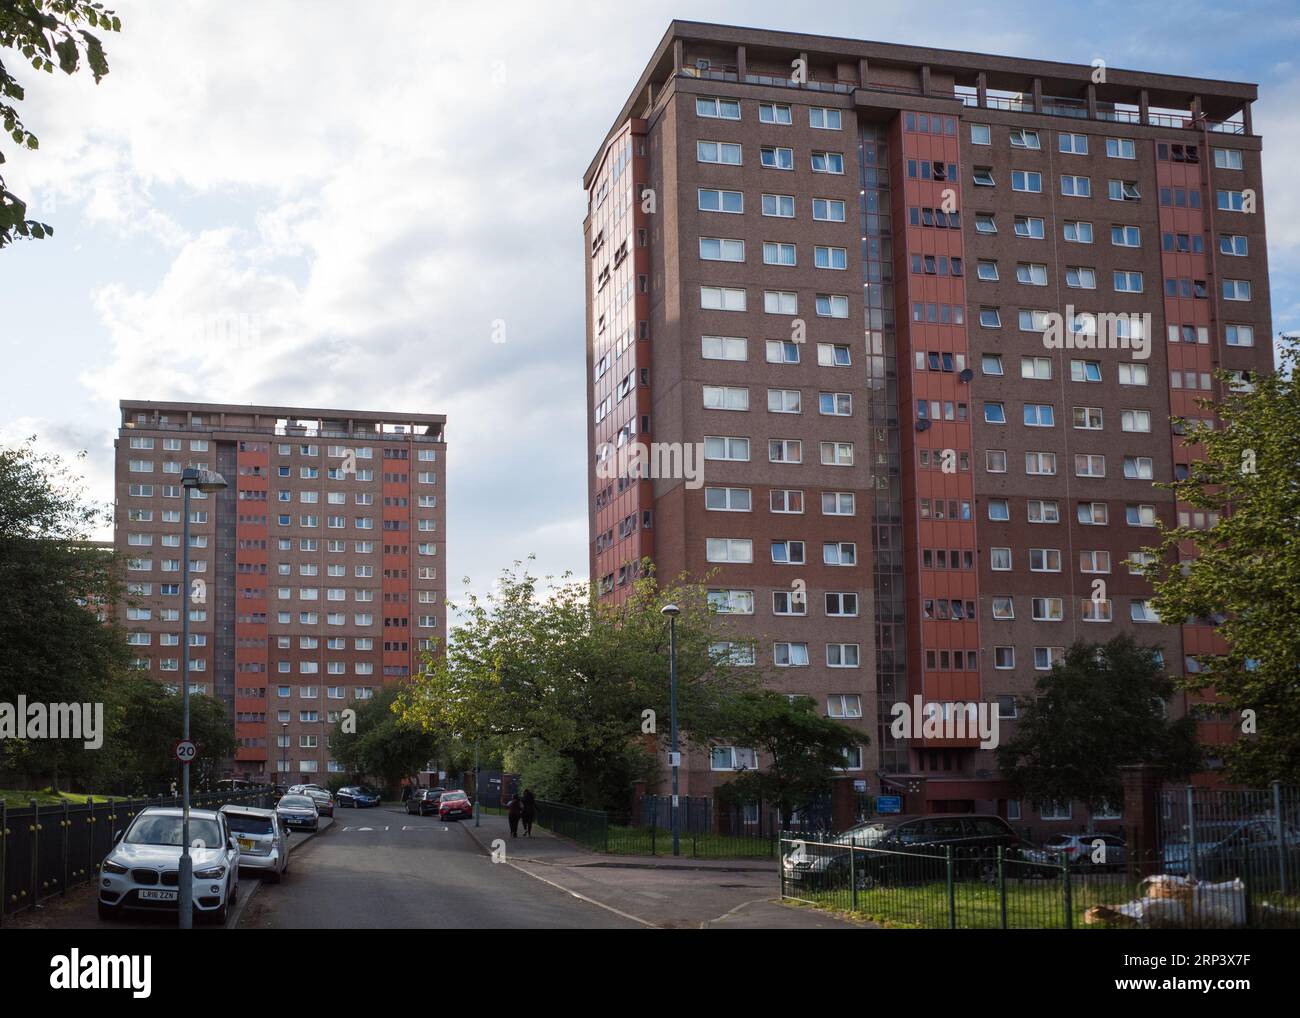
(142, 870)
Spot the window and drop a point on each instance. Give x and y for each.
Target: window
(985, 223)
(1073, 144)
(1035, 367)
(723, 348)
(833, 355)
(726, 448)
(987, 270)
(784, 450)
(839, 553)
(1135, 420)
(725, 549)
(716, 249)
(828, 162)
(1044, 560)
(990, 318)
(830, 257)
(1230, 201)
(995, 461)
(778, 205)
(995, 413)
(984, 176)
(835, 404)
(1046, 657)
(991, 364)
(1236, 289)
(1138, 468)
(722, 298)
(1078, 232)
(843, 705)
(784, 401)
(1122, 190)
(1094, 562)
(1000, 559)
(981, 134)
(1121, 148)
(830, 210)
(722, 109)
(1085, 371)
(842, 655)
(785, 500)
(1026, 180)
(1030, 226)
(790, 655)
(1141, 611)
(782, 352)
(1126, 236)
(823, 119)
(842, 605)
(837, 454)
(1031, 274)
(736, 500)
(830, 305)
(1073, 186)
(780, 302)
(1047, 609)
(1087, 418)
(712, 200)
(1140, 515)
(1003, 608)
(788, 602)
(718, 152)
(837, 503)
(773, 113)
(778, 254)
(1234, 245)
(1004, 658)
(1128, 282)
(1042, 510)
(1227, 159)
(732, 602)
(1239, 335)
(1089, 465)
(999, 509)
(1133, 374)
(1039, 415)
(732, 758)
(775, 158)
(1022, 138)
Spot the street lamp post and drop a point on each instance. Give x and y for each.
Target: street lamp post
(478, 805)
(206, 481)
(672, 611)
(284, 751)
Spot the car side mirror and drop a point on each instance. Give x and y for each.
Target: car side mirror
(118, 836)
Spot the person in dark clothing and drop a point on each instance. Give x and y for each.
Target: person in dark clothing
(528, 812)
(513, 813)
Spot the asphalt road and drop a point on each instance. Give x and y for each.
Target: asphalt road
(381, 869)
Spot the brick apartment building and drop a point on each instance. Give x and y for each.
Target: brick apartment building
(837, 264)
(320, 563)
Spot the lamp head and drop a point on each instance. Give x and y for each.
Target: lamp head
(670, 610)
(203, 480)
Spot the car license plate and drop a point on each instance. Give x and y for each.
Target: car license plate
(150, 895)
(245, 844)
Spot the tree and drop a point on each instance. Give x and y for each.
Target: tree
(384, 745)
(1242, 575)
(58, 640)
(585, 679)
(799, 748)
(45, 33)
(1102, 709)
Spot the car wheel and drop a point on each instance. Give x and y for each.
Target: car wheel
(274, 876)
(108, 911)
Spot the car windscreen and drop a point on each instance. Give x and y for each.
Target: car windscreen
(448, 796)
(154, 829)
(243, 824)
(296, 801)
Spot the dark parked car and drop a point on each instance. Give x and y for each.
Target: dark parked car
(424, 801)
(1220, 846)
(356, 796)
(298, 812)
(907, 849)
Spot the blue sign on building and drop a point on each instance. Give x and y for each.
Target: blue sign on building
(889, 804)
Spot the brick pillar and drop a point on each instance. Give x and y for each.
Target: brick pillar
(842, 812)
(1142, 784)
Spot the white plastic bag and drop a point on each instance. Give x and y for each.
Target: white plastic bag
(1220, 904)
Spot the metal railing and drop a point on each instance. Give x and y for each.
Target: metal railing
(45, 850)
(951, 887)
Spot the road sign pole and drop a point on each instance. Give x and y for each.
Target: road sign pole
(185, 876)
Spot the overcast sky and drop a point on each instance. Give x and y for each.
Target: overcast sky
(330, 203)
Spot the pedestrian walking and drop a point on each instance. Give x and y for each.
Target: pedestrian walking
(513, 812)
(528, 812)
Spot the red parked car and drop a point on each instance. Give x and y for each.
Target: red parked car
(454, 805)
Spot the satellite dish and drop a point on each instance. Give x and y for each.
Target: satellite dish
(966, 374)
(923, 425)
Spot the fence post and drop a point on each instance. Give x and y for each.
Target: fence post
(654, 830)
(952, 890)
(90, 836)
(66, 823)
(36, 850)
(1281, 841)
(4, 857)
(853, 872)
(780, 863)
(1191, 832)
(1245, 869)
(1068, 889)
(1002, 886)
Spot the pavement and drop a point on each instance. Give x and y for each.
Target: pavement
(655, 891)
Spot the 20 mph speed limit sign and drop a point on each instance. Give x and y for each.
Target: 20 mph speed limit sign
(185, 751)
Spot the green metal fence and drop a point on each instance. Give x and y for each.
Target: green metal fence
(942, 886)
(44, 850)
(617, 834)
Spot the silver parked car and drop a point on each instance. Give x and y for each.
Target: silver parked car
(262, 838)
(298, 812)
(142, 869)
